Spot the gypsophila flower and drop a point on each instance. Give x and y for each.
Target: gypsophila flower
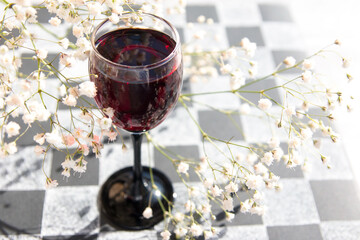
(94, 8)
(253, 181)
(12, 129)
(51, 183)
(201, 19)
(78, 31)
(165, 235)
(246, 206)
(289, 61)
(205, 208)
(308, 64)
(147, 213)
(109, 112)
(105, 123)
(179, 217)
(216, 191)
(249, 47)
(345, 62)
(69, 100)
(39, 138)
(277, 153)
(114, 18)
(294, 142)
(267, 158)
(226, 68)
(64, 43)
(289, 111)
(41, 53)
(3, 49)
(53, 137)
(306, 76)
(228, 204)
(55, 21)
(306, 133)
(245, 109)
(183, 167)
(259, 210)
(258, 197)
(88, 89)
(274, 142)
(196, 230)
(180, 232)
(229, 216)
(264, 104)
(39, 150)
(231, 188)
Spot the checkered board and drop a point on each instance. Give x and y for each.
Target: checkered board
(322, 204)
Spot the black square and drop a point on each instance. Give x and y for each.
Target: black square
(265, 84)
(21, 212)
(28, 138)
(194, 11)
(336, 200)
(166, 166)
(29, 65)
(302, 232)
(90, 177)
(235, 34)
(43, 15)
(280, 55)
(219, 125)
(275, 12)
(12, 34)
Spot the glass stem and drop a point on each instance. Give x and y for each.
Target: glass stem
(137, 169)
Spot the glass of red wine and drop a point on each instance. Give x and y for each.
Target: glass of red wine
(136, 66)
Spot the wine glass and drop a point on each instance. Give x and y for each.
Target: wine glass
(136, 66)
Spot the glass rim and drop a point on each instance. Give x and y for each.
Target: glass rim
(148, 66)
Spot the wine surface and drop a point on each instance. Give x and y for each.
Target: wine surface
(137, 81)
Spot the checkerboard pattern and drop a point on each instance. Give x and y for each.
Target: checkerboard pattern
(323, 204)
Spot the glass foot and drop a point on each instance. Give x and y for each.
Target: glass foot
(122, 201)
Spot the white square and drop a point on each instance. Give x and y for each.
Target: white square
(70, 211)
(214, 37)
(293, 205)
(253, 232)
(235, 12)
(23, 170)
(282, 35)
(177, 129)
(336, 230)
(337, 159)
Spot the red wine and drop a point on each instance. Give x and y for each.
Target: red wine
(137, 81)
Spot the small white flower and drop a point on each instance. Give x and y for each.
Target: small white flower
(231, 188)
(306, 76)
(39, 150)
(10, 148)
(179, 216)
(12, 129)
(147, 213)
(66, 172)
(259, 210)
(78, 31)
(306, 133)
(196, 230)
(229, 216)
(246, 206)
(55, 21)
(183, 167)
(277, 153)
(53, 137)
(289, 111)
(88, 89)
(216, 191)
(251, 158)
(254, 181)
(109, 112)
(29, 118)
(85, 115)
(226, 68)
(258, 197)
(249, 47)
(201, 19)
(289, 61)
(69, 100)
(268, 158)
(274, 142)
(3, 49)
(245, 109)
(264, 104)
(165, 235)
(346, 62)
(228, 204)
(294, 142)
(94, 8)
(39, 138)
(205, 208)
(51, 183)
(208, 183)
(308, 64)
(41, 53)
(114, 18)
(105, 123)
(64, 43)
(180, 232)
